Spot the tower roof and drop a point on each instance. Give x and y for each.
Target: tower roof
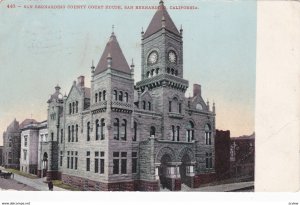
(156, 22)
(113, 51)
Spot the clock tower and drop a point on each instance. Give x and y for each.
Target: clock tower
(162, 68)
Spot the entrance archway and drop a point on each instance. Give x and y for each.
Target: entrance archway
(163, 170)
(185, 163)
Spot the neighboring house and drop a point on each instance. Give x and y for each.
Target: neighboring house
(29, 146)
(12, 145)
(122, 136)
(242, 157)
(222, 148)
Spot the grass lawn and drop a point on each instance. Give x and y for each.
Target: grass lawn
(60, 184)
(15, 171)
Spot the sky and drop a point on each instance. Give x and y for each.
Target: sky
(41, 48)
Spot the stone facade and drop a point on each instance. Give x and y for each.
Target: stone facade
(118, 135)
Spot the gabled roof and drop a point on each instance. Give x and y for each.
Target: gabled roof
(156, 22)
(113, 51)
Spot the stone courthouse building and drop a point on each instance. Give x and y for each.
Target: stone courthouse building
(122, 136)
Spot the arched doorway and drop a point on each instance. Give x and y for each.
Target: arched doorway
(45, 164)
(164, 171)
(185, 163)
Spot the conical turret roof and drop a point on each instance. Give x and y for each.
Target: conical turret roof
(114, 52)
(156, 22)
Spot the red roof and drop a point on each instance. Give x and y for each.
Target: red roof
(113, 50)
(156, 22)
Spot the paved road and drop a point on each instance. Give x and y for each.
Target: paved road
(11, 185)
(219, 188)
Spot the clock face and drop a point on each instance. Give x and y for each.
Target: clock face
(153, 57)
(172, 57)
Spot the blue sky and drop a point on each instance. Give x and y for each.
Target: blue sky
(41, 48)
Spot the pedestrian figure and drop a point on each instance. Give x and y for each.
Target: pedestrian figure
(50, 186)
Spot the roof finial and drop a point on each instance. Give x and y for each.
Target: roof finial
(161, 3)
(113, 29)
(93, 67)
(181, 30)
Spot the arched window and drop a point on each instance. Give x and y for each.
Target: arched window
(76, 106)
(102, 129)
(73, 107)
(126, 97)
(96, 97)
(52, 136)
(72, 133)
(97, 129)
(121, 96)
(170, 106)
(76, 133)
(116, 129)
(88, 129)
(207, 134)
(178, 128)
(168, 70)
(179, 107)
(124, 130)
(115, 95)
(172, 71)
(149, 105)
(173, 133)
(190, 131)
(148, 74)
(69, 133)
(152, 131)
(144, 105)
(135, 131)
(174, 105)
(104, 95)
(100, 96)
(70, 108)
(152, 72)
(157, 71)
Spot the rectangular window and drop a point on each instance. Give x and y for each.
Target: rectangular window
(68, 162)
(115, 166)
(61, 158)
(116, 154)
(87, 164)
(101, 166)
(123, 166)
(61, 135)
(170, 106)
(123, 154)
(25, 141)
(134, 162)
(96, 165)
(123, 163)
(76, 162)
(72, 162)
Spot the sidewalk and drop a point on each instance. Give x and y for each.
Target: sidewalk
(225, 187)
(36, 183)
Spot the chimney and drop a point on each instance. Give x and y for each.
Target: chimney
(196, 90)
(80, 81)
